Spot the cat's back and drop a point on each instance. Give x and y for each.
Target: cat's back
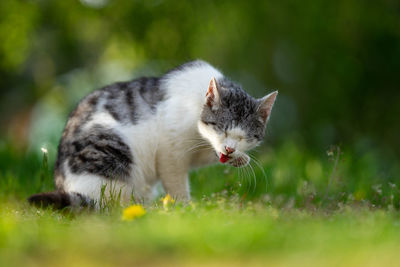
(124, 103)
(134, 101)
(189, 80)
(185, 88)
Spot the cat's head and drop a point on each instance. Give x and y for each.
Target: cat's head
(233, 121)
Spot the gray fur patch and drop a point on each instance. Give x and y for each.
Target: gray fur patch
(100, 151)
(150, 91)
(237, 109)
(125, 99)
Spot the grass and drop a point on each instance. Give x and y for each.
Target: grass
(297, 209)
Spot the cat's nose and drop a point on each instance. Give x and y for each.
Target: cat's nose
(229, 150)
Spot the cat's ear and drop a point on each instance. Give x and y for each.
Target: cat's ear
(265, 106)
(212, 97)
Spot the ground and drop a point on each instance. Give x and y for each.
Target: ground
(296, 209)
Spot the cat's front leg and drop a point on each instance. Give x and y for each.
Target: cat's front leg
(174, 177)
(177, 186)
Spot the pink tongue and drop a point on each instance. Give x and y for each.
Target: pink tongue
(224, 158)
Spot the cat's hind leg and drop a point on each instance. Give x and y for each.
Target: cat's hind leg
(93, 162)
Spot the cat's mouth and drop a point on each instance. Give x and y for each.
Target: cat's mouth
(234, 161)
(224, 158)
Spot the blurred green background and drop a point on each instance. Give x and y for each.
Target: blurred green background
(336, 65)
(323, 190)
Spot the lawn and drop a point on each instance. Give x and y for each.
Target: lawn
(294, 208)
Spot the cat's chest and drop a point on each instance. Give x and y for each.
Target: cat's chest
(202, 157)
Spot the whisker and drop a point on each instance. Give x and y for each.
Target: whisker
(195, 148)
(200, 143)
(242, 175)
(194, 140)
(198, 146)
(248, 177)
(262, 170)
(254, 177)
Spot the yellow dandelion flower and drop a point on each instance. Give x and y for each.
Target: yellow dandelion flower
(167, 200)
(133, 212)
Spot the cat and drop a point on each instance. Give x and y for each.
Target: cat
(128, 136)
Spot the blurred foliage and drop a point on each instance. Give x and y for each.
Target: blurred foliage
(335, 63)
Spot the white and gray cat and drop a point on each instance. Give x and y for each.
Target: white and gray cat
(130, 135)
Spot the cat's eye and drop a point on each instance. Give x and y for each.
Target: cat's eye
(256, 136)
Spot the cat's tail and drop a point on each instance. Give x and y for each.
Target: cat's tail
(61, 200)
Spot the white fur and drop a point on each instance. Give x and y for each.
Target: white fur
(233, 138)
(102, 118)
